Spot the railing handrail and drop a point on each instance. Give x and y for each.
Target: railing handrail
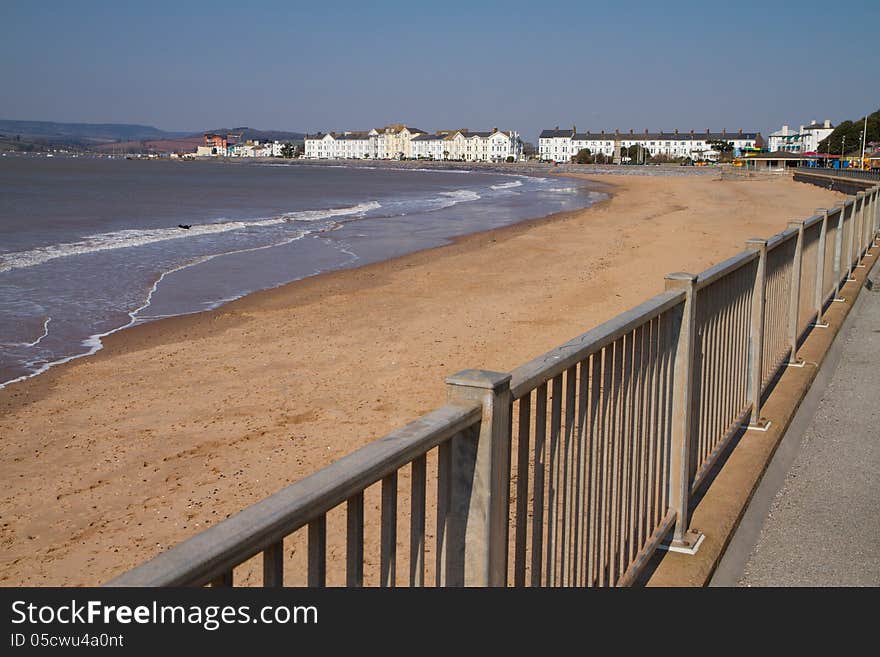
(229, 543)
(725, 267)
(529, 376)
(781, 238)
(853, 174)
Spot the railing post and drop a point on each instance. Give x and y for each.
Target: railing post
(478, 514)
(876, 205)
(876, 210)
(860, 241)
(872, 214)
(795, 292)
(819, 296)
(852, 241)
(838, 251)
(756, 336)
(683, 540)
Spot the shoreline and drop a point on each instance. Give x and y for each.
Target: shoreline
(120, 339)
(97, 343)
(181, 422)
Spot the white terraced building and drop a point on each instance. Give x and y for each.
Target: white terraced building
(805, 140)
(561, 145)
(401, 142)
(467, 145)
(389, 143)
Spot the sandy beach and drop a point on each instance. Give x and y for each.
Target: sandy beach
(179, 423)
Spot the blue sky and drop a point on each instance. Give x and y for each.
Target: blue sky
(305, 66)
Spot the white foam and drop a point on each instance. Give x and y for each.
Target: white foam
(441, 170)
(133, 237)
(94, 343)
(510, 185)
(40, 339)
(462, 195)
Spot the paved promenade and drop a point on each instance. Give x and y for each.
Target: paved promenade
(823, 527)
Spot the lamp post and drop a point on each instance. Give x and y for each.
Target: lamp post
(864, 139)
(842, 149)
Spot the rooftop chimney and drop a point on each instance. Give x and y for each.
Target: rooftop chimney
(740, 131)
(676, 131)
(827, 123)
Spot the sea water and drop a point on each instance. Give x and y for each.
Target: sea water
(89, 246)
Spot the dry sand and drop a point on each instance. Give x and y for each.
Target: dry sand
(176, 424)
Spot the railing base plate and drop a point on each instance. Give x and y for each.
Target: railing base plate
(839, 299)
(817, 325)
(691, 542)
(797, 363)
(763, 425)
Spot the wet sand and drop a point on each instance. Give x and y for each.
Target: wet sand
(179, 423)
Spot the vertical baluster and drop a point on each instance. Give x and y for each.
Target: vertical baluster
(354, 551)
(318, 552)
(616, 444)
(568, 475)
(626, 413)
(417, 523)
(552, 511)
(604, 520)
(273, 565)
(594, 469)
(444, 499)
(388, 543)
(648, 433)
(538, 485)
(582, 486)
(714, 349)
(522, 490)
(724, 310)
(635, 403)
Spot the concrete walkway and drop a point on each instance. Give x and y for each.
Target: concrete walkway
(823, 526)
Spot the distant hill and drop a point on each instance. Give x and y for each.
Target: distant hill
(83, 133)
(116, 137)
(179, 145)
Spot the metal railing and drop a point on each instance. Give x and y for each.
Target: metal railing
(572, 469)
(861, 174)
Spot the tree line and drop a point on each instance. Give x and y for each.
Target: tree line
(847, 136)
